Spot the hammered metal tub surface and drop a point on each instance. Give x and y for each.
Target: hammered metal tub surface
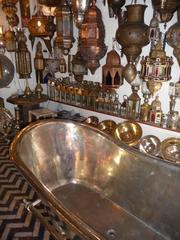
(100, 188)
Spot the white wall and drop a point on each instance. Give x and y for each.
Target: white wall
(111, 25)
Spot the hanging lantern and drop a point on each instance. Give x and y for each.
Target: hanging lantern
(64, 27)
(79, 68)
(92, 34)
(133, 35)
(112, 70)
(10, 9)
(173, 37)
(166, 8)
(10, 39)
(25, 12)
(42, 26)
(79, 7)
(156, 68)
(115, 7)
(154, 30)
(39, 64)
(23, 57)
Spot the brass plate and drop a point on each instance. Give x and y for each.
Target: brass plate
(128, 132)
(170, 149)
(150, 144)
(107, 126)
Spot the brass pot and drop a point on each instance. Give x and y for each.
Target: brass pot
(133, 34)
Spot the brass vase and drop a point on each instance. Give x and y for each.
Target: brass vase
(133, 35)
(173, 37)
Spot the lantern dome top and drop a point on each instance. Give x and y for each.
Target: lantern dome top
(113, 58)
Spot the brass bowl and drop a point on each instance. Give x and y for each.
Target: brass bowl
(150, 144)
(128, 132)
(92, 120)
(107, 126)
(170, 149)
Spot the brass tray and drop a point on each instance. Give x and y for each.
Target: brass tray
(128, 132)
(170, 149)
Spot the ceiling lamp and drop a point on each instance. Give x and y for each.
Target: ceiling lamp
(91, 40)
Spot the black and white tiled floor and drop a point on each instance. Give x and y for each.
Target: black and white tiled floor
(16, 223)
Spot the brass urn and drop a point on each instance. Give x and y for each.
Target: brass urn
(133, 35)
(173, 37)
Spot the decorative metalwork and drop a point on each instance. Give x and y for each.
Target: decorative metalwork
(79, 7)
(10, 40)
(64, 27)
(23, 57)
(133, 35)
(156, 111)
(91, 40)
(112, 70)
(156, 68)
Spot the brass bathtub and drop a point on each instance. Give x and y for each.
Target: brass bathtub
(100, 188)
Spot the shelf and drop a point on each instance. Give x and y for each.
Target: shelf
(115, 115)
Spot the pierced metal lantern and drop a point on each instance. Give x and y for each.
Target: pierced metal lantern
(156, 68)
(64, 27)
(91, 40)
(23, 57)
(112, 70)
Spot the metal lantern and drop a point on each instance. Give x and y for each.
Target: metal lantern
(39, 64)
(156, 68)
(133, 104)
(64, 27)
(10, 39)
(79, 68)
(91, 40)
(23, 57)
(42, 26)
(112, 70)
(79, 7)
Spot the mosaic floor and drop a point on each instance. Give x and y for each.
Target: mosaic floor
(16, 222)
